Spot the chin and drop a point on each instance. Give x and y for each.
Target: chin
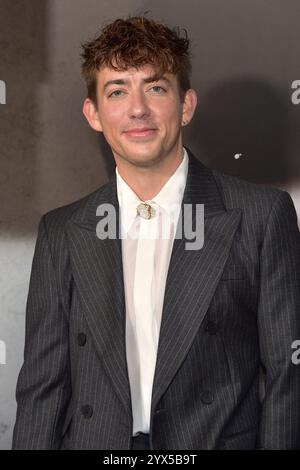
(143, 160)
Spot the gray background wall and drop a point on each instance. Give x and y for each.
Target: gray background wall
(246, 57)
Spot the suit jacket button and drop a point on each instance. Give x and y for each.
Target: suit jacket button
(87, 411)
(81, 339)
(206, 397)
(212, 328)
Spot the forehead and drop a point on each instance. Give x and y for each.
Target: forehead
(132, 74)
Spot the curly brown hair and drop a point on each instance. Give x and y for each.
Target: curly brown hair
(135, 42)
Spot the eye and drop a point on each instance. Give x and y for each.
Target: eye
(115, 91)
(162, 90)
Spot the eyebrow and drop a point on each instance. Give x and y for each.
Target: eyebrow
(121, 81)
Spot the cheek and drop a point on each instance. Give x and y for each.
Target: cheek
(171, 113)
(112, 125)
(112, 116)
(115, 113)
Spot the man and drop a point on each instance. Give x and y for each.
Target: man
(137, 341)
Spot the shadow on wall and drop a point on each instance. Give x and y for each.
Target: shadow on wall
(23, 67)
(245, 117)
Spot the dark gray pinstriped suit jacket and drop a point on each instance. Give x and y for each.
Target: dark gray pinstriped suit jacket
(230, 307)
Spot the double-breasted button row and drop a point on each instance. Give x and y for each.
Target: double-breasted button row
(81, 339)
(211, 327)
(87, 411)
(206, 397)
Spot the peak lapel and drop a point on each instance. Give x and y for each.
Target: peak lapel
(193, 275)
(98, 272)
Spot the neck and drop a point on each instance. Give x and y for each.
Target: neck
(147, 182)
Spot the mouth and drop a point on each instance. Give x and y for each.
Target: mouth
(144, 132)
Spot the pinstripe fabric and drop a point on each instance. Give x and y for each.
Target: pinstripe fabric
(229, 309)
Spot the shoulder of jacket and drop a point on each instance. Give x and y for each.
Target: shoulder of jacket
(59, 216)
(238, 192)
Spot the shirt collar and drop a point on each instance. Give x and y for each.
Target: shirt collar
(169, 197)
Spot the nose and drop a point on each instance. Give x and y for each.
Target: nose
(138, 107)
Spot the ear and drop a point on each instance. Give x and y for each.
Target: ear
(189, 106)
(91, 113)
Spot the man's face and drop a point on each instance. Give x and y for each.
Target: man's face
(140, 118)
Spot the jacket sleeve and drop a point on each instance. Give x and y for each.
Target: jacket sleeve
(43, 387)
(279, 326)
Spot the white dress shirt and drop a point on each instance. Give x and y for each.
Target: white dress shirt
(146, 251)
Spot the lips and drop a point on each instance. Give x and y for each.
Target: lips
(141, 132)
